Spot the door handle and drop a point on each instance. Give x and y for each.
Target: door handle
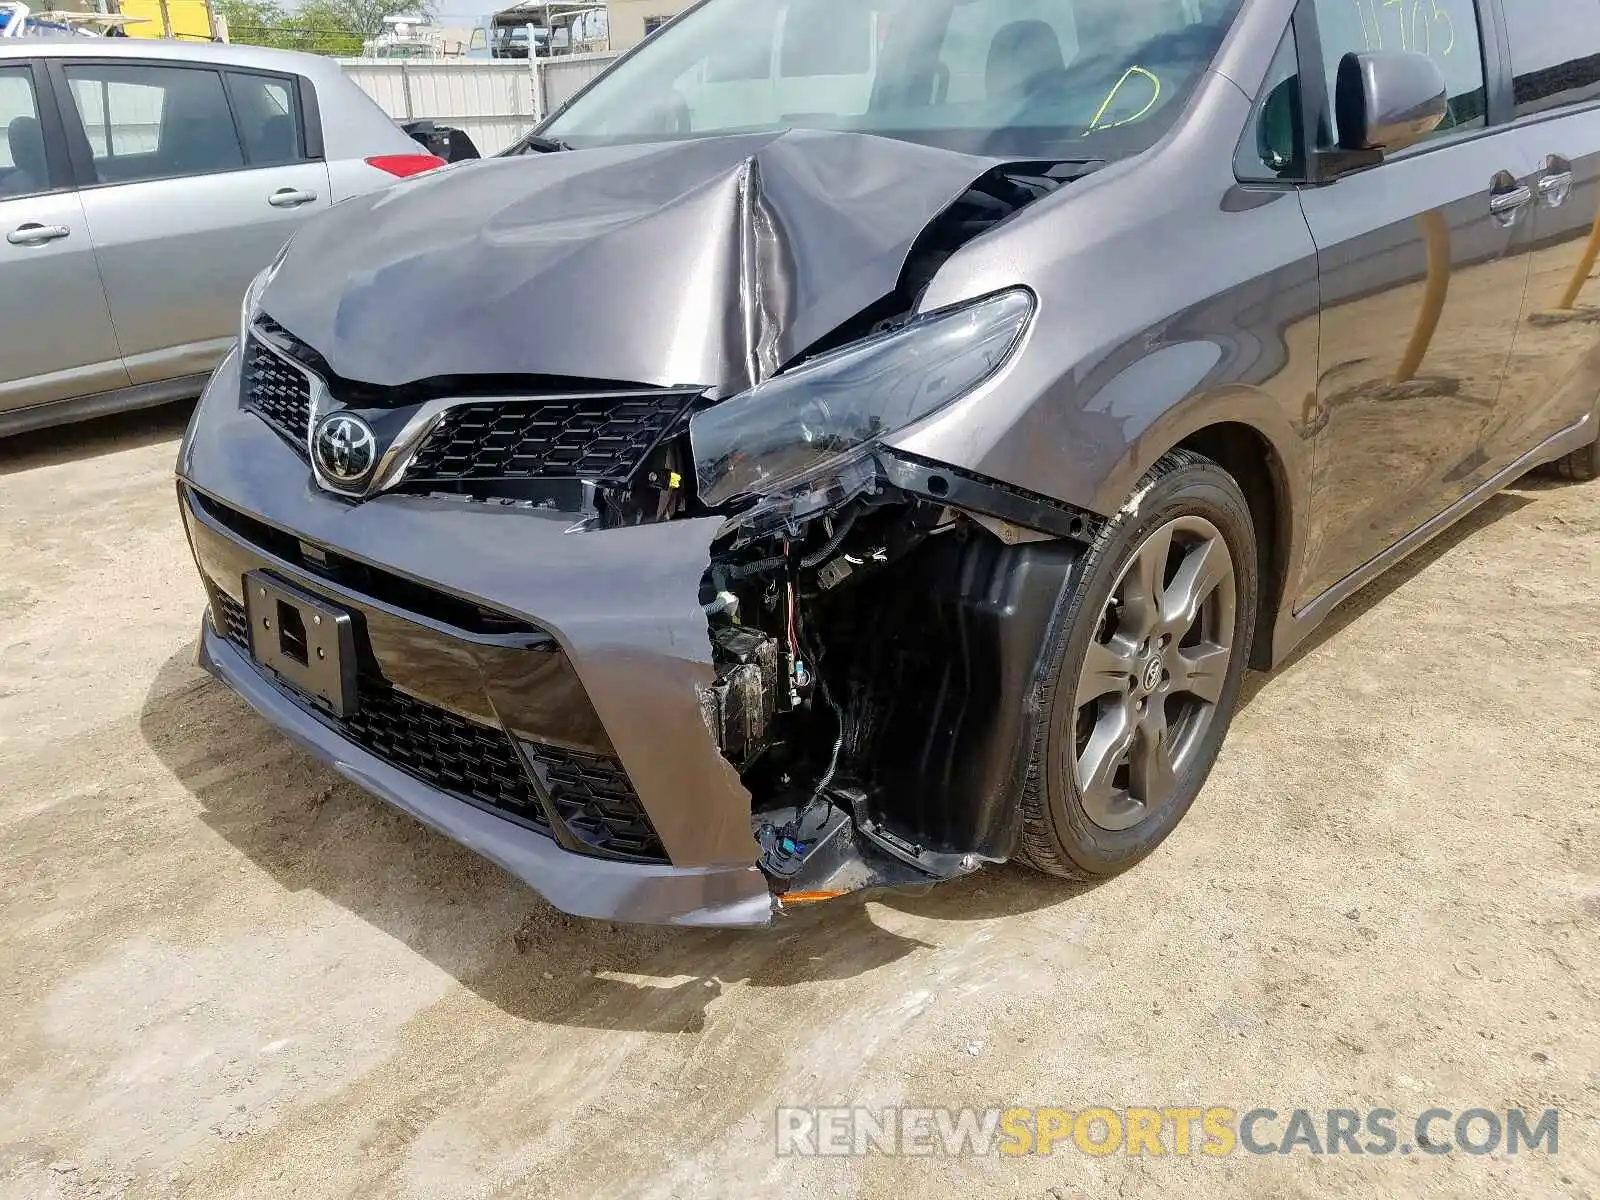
(35, 234)
(1555, 185)
(290, 198)
(1507, 205)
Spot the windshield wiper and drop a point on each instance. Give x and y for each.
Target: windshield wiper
(533, 143)
(1068, 169)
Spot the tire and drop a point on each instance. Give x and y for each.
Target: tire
(1580, 466)
(1094, 832)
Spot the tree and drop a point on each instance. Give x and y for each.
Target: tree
(366, 16)
(327, 29)
(251, 21)
(336, 27)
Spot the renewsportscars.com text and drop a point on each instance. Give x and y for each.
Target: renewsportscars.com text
(1210, 1132)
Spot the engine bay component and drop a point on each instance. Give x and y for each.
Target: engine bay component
(740, 706)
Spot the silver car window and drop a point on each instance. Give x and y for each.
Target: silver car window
(268, 113)
(22, 159)
(1445, 30)
(149, 121)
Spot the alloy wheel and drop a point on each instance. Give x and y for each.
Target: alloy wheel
(1154, 672)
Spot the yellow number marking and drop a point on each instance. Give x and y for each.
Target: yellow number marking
(1401, 5)
(1361, 15)
(1425, 42)
(1440, 13)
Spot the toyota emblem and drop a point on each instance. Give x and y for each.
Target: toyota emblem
(345, 447)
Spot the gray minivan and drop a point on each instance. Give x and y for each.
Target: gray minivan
(855, 441)
(142, 184)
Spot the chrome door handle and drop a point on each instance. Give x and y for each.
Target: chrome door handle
(1555, 187)
(35, 234)
(290, 198)
(1507, 206)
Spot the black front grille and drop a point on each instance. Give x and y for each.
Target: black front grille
(594, 798)
(281, 394)
(293, 346)
(592, 795)
(598, 437)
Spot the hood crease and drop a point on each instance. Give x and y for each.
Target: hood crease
(711, 263)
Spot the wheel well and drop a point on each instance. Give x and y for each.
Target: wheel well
(1250, 458)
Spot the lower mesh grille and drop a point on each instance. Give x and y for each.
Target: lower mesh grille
(591, 794)
(441, 748)
(227, 615)
(275, 390)
(438, 747)
(596, 801)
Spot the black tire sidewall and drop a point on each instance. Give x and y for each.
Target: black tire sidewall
(1197, 487)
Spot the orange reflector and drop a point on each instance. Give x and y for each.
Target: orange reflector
(809, 897)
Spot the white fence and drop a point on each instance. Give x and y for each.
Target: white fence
(561, 77)
(495, 102)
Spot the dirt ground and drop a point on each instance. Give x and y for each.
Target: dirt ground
(224, 972)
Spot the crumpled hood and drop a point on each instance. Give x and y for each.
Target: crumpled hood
(710, 262)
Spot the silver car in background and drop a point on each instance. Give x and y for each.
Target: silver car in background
(142, 184)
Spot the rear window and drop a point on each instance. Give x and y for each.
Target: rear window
(1555, 52)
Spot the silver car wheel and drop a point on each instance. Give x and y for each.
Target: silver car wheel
(1154, 672)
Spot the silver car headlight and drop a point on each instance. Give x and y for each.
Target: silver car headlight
(820, 421)
(250, 309)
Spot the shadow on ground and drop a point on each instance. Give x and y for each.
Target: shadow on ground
(90, 439)
(307, 828)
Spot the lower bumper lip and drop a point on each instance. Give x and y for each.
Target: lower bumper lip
(730, 897)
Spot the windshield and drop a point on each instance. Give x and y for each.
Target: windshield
(1047, 78)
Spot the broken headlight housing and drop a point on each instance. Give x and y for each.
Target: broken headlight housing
(802, 439)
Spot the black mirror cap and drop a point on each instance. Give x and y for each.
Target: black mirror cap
(445, 141)
(1388, 99)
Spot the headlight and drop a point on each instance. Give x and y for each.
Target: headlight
(251, 308)
(821, 417)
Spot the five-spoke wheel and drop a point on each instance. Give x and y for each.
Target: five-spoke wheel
(1153, 672)
(1146, 660)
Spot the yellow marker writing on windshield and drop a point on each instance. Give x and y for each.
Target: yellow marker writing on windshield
(1112, 95)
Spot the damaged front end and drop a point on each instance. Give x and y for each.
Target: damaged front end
(877, 620)
(707, 534)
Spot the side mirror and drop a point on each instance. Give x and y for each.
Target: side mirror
(1386, 100)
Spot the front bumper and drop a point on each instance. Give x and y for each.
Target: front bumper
(605, 660)
(585, 887)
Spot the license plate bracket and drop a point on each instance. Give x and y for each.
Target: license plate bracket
(307, 642)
